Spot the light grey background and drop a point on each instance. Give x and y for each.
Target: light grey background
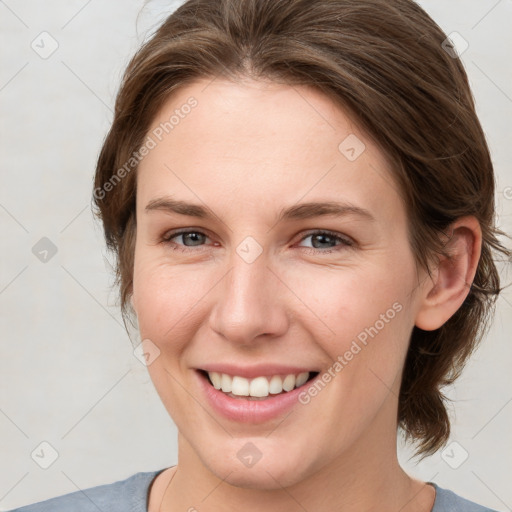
(68, 374)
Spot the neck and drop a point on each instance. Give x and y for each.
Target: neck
(367, 476)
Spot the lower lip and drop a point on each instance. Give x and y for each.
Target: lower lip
(250, 411)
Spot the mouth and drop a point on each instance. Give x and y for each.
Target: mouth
(259, 388)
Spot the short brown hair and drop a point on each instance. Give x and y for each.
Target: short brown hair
(384, 62)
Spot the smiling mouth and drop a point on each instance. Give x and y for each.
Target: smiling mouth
(259, 388)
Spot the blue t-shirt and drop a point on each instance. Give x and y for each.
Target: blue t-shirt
(131, 495)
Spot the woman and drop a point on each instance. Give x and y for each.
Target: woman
(301, 200)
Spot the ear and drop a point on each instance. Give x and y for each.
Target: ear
(446, 290)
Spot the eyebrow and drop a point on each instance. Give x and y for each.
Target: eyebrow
(295, 212)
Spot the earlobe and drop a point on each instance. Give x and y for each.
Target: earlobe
(451, 281)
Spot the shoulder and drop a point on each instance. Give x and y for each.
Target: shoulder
(448, 501)
(129, 494)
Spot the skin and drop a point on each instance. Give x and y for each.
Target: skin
(246, 151)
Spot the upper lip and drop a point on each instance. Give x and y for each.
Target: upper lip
(260, 370)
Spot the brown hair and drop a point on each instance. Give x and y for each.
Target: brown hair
(384, 62)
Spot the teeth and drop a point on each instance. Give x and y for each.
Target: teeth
(259, 386)
(301, 379)
(289, 382)
(225, 382)
(216, 379)
(276, 385)
(240, 386)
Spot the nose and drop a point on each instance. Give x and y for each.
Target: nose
(250, 303)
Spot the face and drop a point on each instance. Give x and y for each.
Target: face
(271, 241)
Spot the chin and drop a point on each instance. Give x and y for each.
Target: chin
(262, 478)
(269, 469)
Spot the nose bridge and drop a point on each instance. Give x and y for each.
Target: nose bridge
(249, 302)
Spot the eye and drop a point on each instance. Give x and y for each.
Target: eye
(322, 241)
(189, 238)
(326, 242)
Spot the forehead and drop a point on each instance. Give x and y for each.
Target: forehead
(262, 144)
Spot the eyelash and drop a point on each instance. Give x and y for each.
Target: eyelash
(344, 241)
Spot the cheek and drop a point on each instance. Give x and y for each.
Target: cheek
(369, 322)
(168, 313)
(362, 321)
(348, 302)
(173, 303)
(164, 297)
